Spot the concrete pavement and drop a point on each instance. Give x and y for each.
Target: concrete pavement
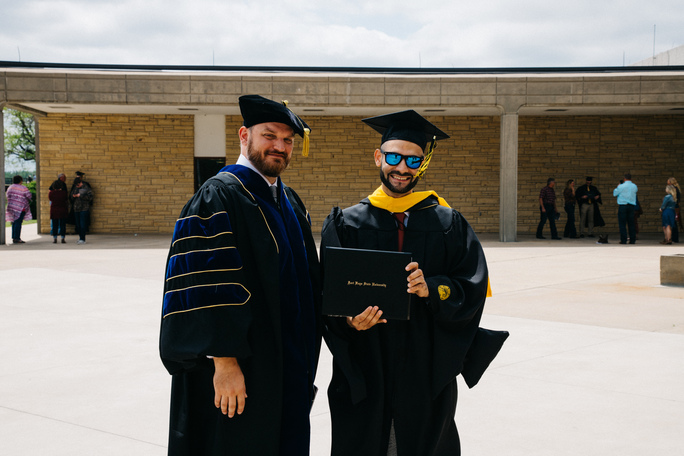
(593, 365)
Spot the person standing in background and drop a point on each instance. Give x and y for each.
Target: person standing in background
(668, 213)
(570, 201)
(678, 215)
(626, 194)
(81, 175)
(548, 209)
(59, 208)
(81, 197)
(588, 197)
(18, 209)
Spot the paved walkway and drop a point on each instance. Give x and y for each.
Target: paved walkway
(594, 364)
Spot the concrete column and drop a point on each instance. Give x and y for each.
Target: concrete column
(210, 136)
(40, 194)
(3, 231)
(508, 185)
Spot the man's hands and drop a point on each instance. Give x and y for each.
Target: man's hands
(372, 315)
(366, 319)
(416, 281)
(229, 386)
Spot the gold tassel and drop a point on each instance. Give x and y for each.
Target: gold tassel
(428, 157)
(305, 143)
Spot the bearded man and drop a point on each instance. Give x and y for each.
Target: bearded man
(393, 389)
(240, 329)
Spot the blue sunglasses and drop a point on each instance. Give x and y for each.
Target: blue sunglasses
(393, 159)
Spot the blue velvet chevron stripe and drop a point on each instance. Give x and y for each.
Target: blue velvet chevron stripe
(203, 266)
(210, 295)
(199, 261)
(195, 226)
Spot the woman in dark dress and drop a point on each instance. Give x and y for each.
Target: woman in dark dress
(59, 208)
(678, 215)
(570, 201)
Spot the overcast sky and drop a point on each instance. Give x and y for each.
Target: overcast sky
(350, 33)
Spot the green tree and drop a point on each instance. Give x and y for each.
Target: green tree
(20, 135)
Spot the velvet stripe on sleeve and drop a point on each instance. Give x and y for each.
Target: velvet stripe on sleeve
(205, 309)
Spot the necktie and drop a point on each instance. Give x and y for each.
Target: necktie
(274, 192)
(400, 216)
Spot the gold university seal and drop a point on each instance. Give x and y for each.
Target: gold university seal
(444, 292)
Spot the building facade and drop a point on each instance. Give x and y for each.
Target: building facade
(143, 135)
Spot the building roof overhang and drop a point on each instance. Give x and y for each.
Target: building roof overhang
(331, 91)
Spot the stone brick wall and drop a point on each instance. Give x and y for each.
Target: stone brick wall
(140, 167)
(340, 169)
(651, 148)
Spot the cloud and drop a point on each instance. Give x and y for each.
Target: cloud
(392, 33)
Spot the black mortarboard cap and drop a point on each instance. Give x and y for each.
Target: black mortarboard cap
(407, 126)
(256, 109)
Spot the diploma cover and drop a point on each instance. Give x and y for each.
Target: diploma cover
(357, 278)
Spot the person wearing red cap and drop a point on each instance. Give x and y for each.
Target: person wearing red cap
(240, 329)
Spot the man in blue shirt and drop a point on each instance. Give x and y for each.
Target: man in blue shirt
(626, 194)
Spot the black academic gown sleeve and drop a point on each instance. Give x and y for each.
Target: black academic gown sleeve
(207, 309)
(457, 294)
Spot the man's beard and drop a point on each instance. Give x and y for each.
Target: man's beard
(385, 180)
(258, 159)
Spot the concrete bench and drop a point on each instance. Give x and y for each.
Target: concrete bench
(672, 269)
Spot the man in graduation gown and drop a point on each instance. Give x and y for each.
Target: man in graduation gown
(240, 329)
(393, 389)
(588, 199)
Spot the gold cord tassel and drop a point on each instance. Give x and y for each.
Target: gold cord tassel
(305, 137)
(305, 143)
(428, 157)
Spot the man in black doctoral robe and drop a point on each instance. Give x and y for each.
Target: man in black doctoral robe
(240, 320)
(589, 199)
(393, 389)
